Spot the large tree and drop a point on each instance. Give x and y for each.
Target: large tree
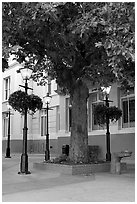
(76, 43)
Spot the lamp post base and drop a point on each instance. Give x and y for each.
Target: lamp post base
(8, 153)
(24, 165)
(108, 157)
(27, 172)
(47, 155)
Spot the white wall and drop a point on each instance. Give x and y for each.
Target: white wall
(57, 100)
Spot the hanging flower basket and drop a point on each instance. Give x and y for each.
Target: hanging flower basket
(35, 103)
(19, 101)
(101, 111)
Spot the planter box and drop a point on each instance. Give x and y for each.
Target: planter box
(76, 169)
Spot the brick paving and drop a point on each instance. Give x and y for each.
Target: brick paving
(46, 186)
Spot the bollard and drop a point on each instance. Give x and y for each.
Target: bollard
(115, 164)
(116, 161)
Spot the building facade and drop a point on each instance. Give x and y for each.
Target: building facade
(122, 131)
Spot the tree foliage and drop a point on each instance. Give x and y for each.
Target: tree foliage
(92, 40)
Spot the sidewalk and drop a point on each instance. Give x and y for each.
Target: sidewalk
(45, 186)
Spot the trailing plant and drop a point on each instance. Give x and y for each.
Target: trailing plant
(101, 112)
(19, 101)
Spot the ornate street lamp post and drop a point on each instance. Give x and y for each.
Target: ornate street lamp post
(8, 140)
(108, 154)
(47, 100)
(26, 74)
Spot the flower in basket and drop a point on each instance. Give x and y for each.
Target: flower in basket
(19, 101)
(101, 112)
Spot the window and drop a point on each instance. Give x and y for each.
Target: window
(128, 108)
(43, 123)
(95, 125)
(94, 98)
(68, 115)
(6, 88)
(5, 124)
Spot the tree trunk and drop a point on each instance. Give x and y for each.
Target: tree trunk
(79, 131)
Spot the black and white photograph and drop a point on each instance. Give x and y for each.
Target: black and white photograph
(68, 101)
